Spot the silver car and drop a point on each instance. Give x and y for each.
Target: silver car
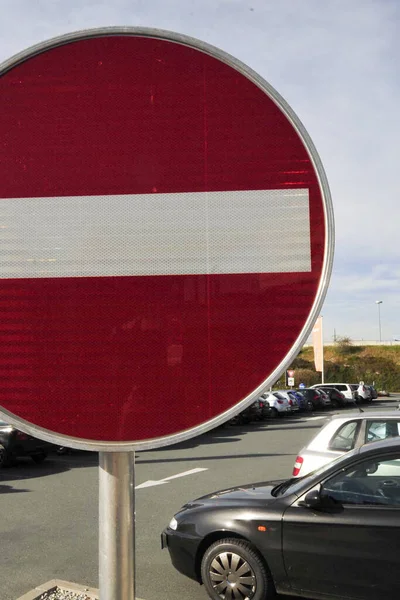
(291, 398)
(278, 403)
(343, 433)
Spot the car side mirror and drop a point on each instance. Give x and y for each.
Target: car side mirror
(312, 499)
(372, 469)
(318, 500)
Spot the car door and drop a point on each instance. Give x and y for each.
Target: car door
(349, 549)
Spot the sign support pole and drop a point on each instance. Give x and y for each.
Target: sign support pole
(117, 525)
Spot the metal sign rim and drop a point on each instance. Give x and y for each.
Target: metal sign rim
(158, 442)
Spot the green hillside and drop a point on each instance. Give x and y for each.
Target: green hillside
(345, 362)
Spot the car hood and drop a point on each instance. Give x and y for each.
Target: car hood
(252, 493)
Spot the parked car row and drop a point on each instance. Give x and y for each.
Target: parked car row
(353, 392)
(327, 395)
(270, 405)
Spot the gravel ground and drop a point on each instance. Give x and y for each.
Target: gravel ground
(60, 594)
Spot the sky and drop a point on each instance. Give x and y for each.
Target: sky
(336, 64)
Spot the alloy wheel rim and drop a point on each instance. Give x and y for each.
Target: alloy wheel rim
(232, 577)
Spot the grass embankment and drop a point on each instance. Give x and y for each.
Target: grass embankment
(350, 364)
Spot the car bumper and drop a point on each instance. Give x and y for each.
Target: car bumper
(182, 551)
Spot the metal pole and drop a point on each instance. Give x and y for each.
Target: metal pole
(379, 317)
(379, 302)
(322, 350)
(117, 525)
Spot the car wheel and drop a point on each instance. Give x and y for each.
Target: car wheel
(274, 413)
(9, 458)
(39, 458)
(2, 456)
(309, 406)
(64, 450)
(233, 569)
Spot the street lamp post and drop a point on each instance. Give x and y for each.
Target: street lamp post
(379, 302)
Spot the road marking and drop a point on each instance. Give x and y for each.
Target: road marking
(316, 418)
(151, 483)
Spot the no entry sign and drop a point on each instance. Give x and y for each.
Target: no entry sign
(166, 234)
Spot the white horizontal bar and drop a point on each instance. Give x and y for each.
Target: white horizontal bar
(255, 231)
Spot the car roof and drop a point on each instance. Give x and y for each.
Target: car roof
(335, 383)
(373, 414)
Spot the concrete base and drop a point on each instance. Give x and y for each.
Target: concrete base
(55, 585)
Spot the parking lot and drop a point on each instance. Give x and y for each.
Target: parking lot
(50, 511)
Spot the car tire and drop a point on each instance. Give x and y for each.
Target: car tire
(229, 561)
(39, 458)
(274, 413)
(2, 456)
(309, 406)
(9, 459)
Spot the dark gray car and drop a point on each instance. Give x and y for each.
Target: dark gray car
(332, 534)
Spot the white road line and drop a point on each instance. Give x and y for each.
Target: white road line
(191, 472)
(151, 483)
(316, 418)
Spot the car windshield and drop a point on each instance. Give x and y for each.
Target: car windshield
(295, 484)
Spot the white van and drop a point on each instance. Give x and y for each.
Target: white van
(348, 390)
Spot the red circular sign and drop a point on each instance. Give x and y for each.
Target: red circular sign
(164, 236)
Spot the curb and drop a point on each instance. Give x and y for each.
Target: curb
(55, 585)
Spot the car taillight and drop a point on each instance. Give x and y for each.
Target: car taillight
(341, 394)
(297, 466)
(280, 401)
(20, 435)
(290, 402)
(316, 396)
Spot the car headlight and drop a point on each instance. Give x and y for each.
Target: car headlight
(173, 524)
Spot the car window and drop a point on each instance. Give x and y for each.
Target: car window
(354, 386)
(345, 437)
(380, 430)
(279, 396)
(371, 482)
(341, 388)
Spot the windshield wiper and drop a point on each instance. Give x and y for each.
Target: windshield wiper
(282, 487)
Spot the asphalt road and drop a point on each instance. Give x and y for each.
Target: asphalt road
(49, 512)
